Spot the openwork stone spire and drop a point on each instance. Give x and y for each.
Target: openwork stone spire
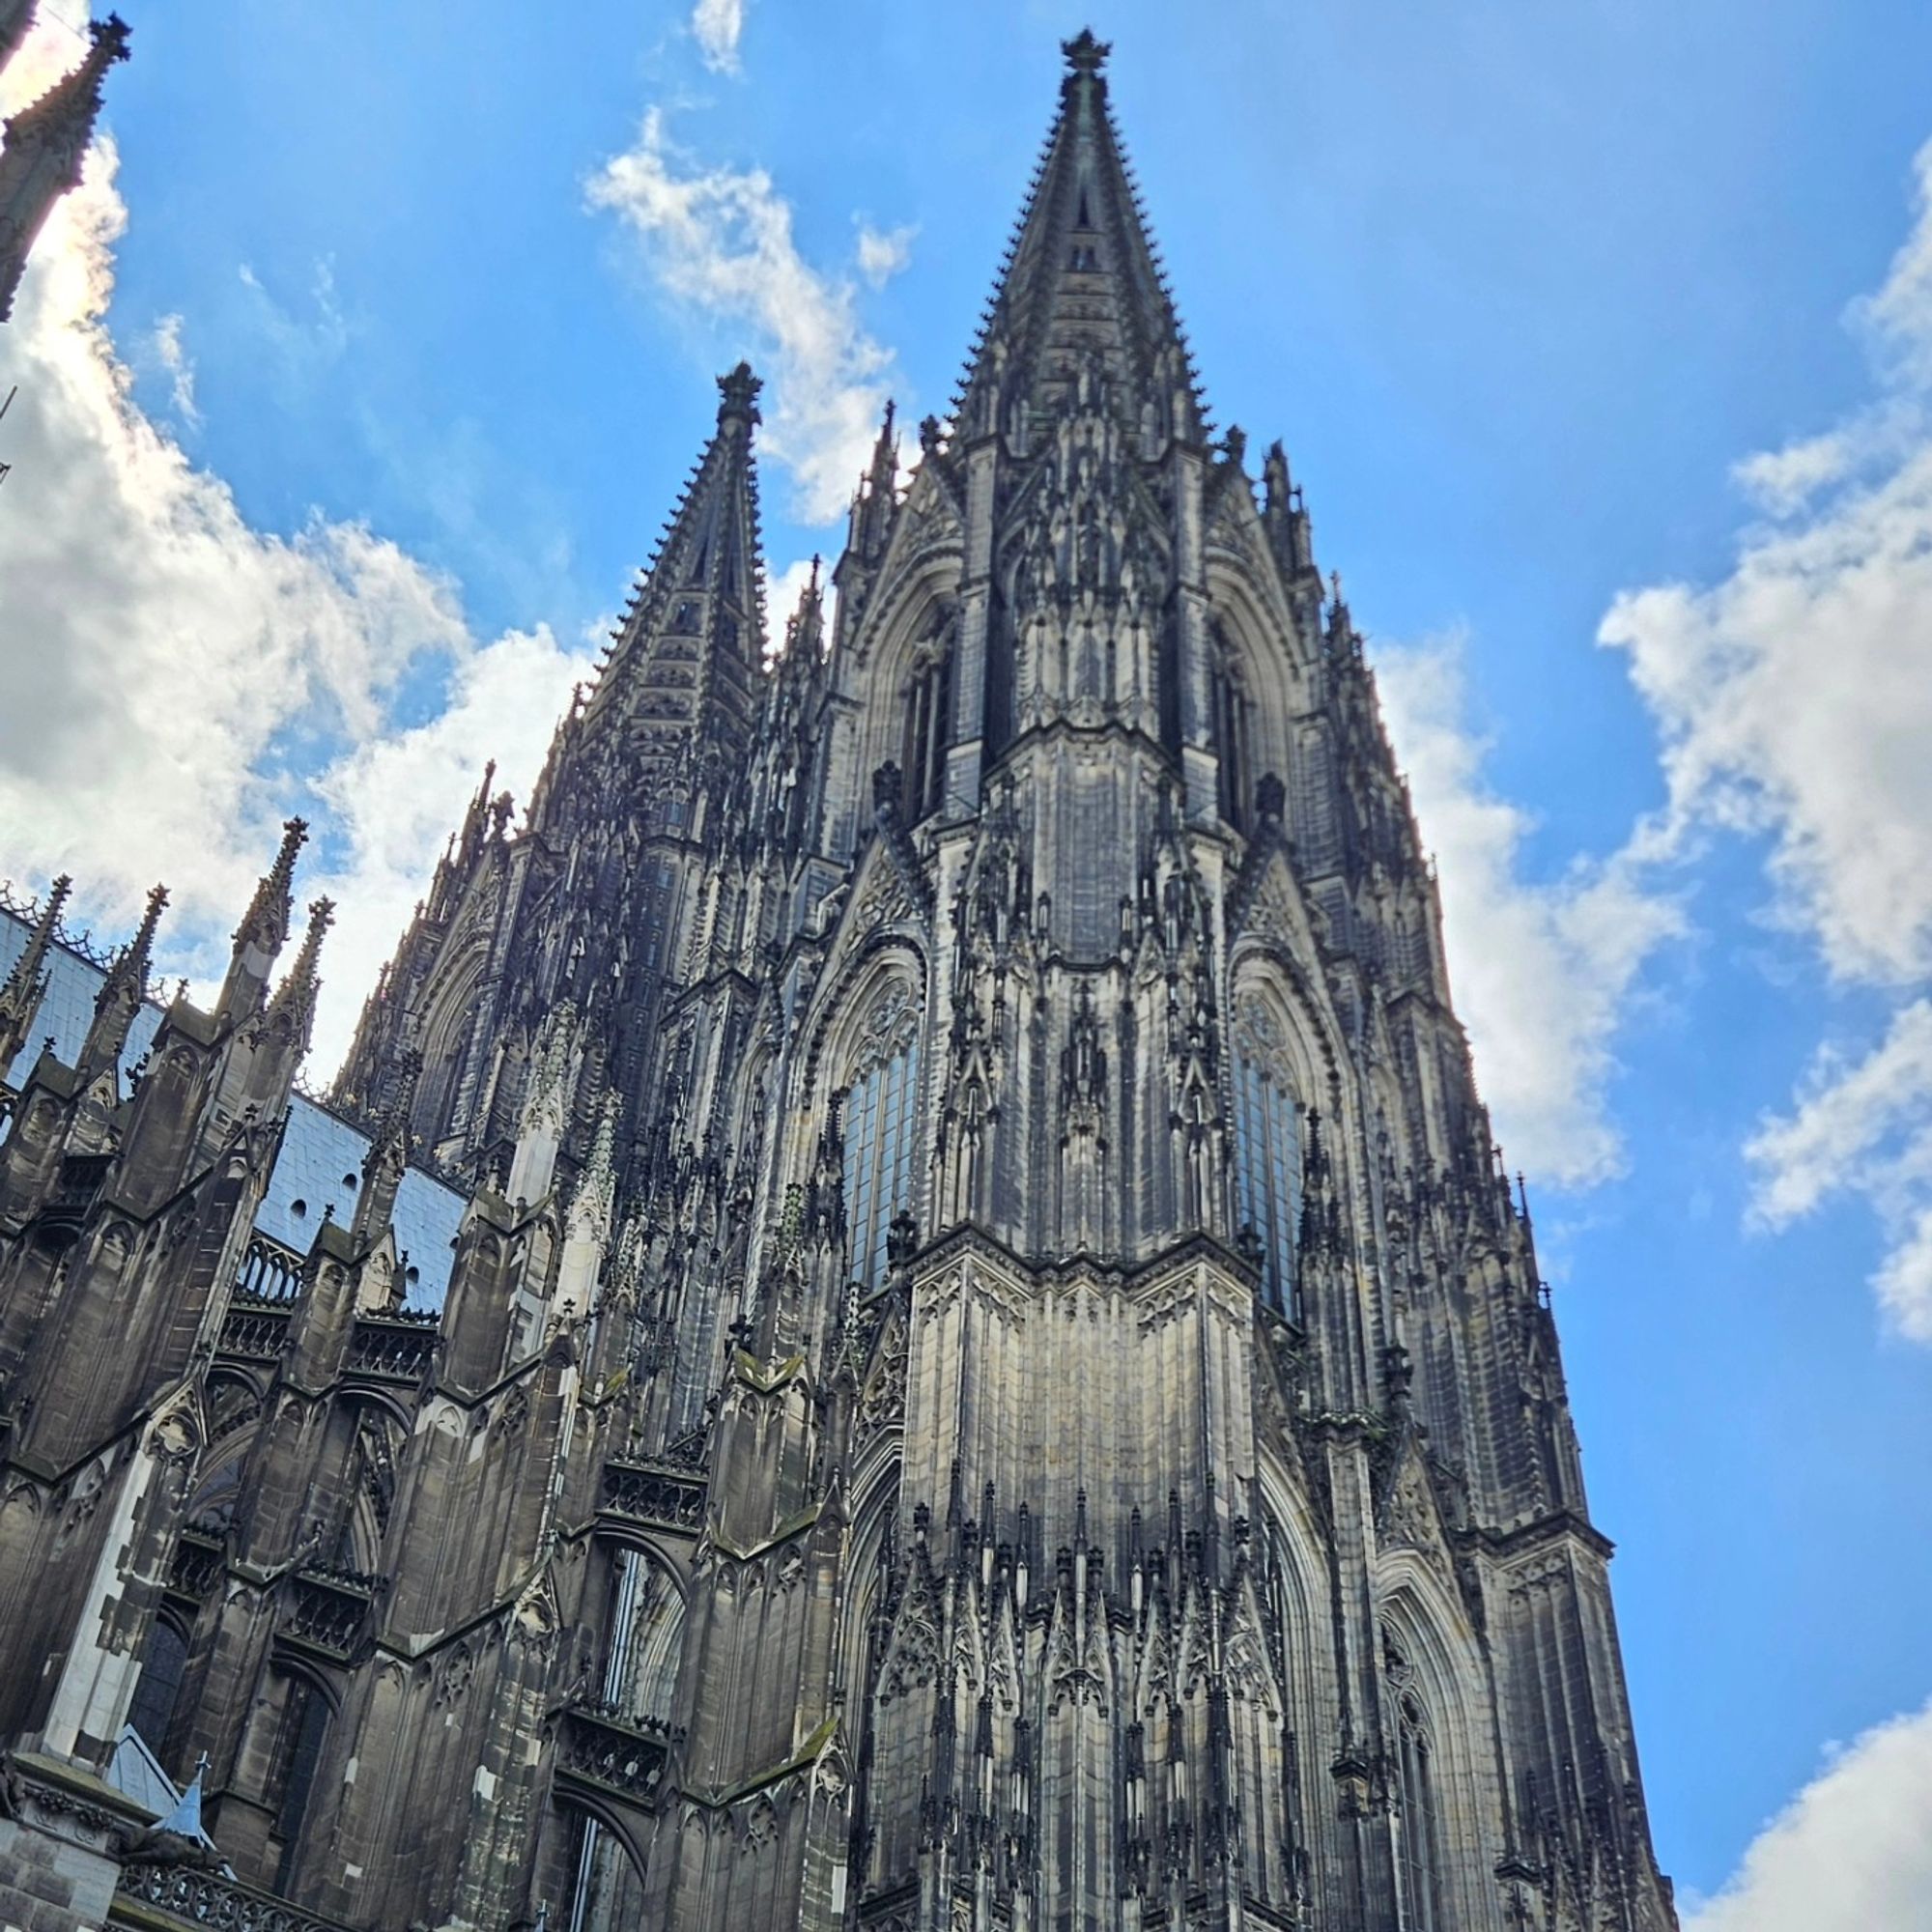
(689, 648)
(1080, 286)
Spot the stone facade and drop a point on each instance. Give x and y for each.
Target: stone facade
(991, 1374)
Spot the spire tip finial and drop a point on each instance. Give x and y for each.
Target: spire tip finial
(1084, 53)
(738, 393)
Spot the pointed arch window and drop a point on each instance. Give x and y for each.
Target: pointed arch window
(878, 1132)
(928, 719)
(1230, 738)
(1267, 1149)
(1421, 1827)
(163, 1665)
(297, 1758)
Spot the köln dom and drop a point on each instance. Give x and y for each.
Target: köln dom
(904, 1314)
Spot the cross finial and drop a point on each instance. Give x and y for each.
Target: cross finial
(1084, 53)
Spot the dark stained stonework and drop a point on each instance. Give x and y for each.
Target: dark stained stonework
(991, 1376)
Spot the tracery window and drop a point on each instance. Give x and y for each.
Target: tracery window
(928, 713)
(163, 1667)
(1268, 1148)
(878, 1131)
(1231, 741)
(299, 1756)
(1421, 1829)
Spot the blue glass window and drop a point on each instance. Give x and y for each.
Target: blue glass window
(1267, 1152)
(878, 1121)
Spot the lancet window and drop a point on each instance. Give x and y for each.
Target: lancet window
(1268, 1148)
(929, 709)
(878, 1132)
(1231, 741)
(163, 1667)
(299, 1756)
(645, 1643)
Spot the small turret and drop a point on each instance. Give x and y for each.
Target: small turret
(46, 144)
(121, 994)
(20, 997)
(877, 496)
(263, 932)
(292, 1010)
(388, 1156)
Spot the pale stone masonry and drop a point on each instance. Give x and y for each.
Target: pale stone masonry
(991, 1375)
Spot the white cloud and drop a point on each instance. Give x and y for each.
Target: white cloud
(884, 253)
(1863, 1127)
(719, 25)
(1541, 972)
(721, 241)
(179, 366)
(1784, 480)
(1794, 699)
(395, 797)
(1849, 1853)
(174, 672)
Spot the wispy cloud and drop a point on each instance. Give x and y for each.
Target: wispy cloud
(1863, 1126)
(720, 242)
(1849, 1853)
(884, 253)
(1542, 973)
(174, 358)
(719, 25)
(1794, 699)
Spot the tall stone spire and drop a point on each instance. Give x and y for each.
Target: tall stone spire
(20, 996)
(688, 651)
(1081, 287)
(45, 145)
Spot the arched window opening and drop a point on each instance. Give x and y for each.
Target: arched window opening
(927, 720)
(298, 1757)
(1230, 742)
(606, 1892)
(877, 1133)
(1421, 1830)
(1267, 1149)
(645, 1643)
(163, 1665)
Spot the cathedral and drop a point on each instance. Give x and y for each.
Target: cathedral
(904, 1314)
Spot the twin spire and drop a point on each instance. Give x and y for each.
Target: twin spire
(1081, 291)
(688, 647)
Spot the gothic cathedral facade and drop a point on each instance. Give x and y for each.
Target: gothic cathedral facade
(986, 1372)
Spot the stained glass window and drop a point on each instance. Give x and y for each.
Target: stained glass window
(1267, 1150)
(879, 1138)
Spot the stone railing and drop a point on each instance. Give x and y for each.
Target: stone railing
(395, 1347)
(168, 1895)
(613, 1750)
(254, 1331)
(76, 1190)
(328, 1608)
(667, 1497)
(197, 1565)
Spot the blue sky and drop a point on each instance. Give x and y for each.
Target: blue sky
(1600, 338)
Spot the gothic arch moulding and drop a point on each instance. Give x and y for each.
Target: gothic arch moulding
(1433, 1661)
